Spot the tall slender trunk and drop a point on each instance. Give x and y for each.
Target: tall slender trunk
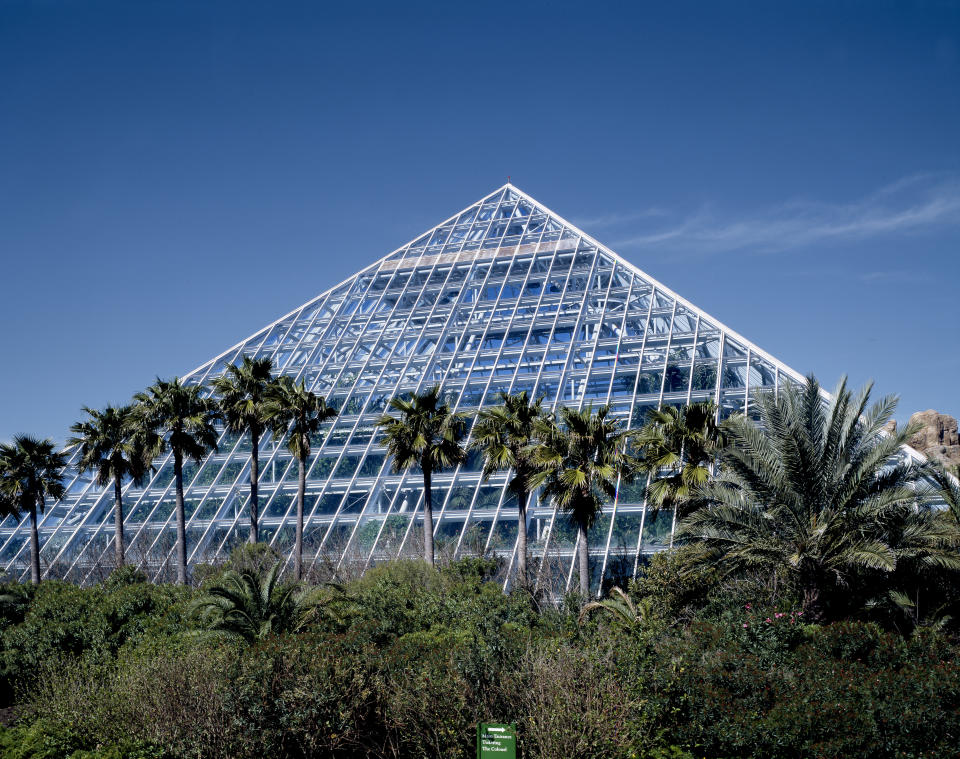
(298, 546)
(583, 553)
(118, 521)
(254, 483)
(812, 603)
(522, 539)
(181, 520)
(643, 520)
(676, 504)
(546, 547)
(427, 517)
(34, 543)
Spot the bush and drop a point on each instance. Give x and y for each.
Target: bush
(257, 557)
(410, 658)
(677, 592)
(575, 705)
(297, 696)
(15, 600)
(170, 693)
(125, 575)
(64, 621)
(42, 741)
(844, 690)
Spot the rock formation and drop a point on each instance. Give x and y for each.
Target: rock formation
(937, 438)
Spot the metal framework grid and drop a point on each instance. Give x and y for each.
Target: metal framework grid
(505, 295)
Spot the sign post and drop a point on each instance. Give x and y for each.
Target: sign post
(496, 741)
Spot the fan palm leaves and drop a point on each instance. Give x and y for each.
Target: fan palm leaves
(425, 433)
(108, 446)
(31, 471)
(170, 415)
(683, 441)
(250, 606)
(243, 392)
(817, 492)
(506, 436)
(293, 410)
(580, 457)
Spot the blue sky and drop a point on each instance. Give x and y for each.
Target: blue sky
(173, 176)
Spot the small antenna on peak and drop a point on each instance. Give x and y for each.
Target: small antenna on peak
(508, 179)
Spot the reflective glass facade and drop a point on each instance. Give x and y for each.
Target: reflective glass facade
(505, 295)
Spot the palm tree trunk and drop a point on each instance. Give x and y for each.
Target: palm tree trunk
(181, 520)
(118, 521)
(298, 546)
(546, 548)
(643, 520)
(583, 552)
(812, 603)
(34, 545)
(427, 517)
(673, 524)
(522, 539)
(254, 483)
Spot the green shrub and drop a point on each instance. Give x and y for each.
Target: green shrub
(677, 592)
(410, 658)
(258, 557)
(846, 690)
(576, 703)
(301, 696)
(15, 599)
(426, 699)
(64, 621)
(125, 575)
(42, 741)
(169, 692)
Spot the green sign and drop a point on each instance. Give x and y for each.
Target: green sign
(496, 741)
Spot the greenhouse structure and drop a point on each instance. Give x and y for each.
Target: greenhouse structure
(503, 296)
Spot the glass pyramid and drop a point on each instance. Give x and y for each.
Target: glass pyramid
(505, 295)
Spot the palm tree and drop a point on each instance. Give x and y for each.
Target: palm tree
(818, 493)
(31, 471)
(506, 437)
(684, 441)
(621, 607)
(176, 417)
(243, 392)
(426, 433)
(249, 606)
(109, 447)
(948, 488)
(294, 410)
(580, 460)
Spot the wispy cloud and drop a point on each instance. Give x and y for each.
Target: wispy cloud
(910, 205)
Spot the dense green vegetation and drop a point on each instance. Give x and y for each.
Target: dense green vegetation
(406, 660)
(811, 609)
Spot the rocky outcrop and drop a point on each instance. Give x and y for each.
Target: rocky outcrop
(937, 437)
